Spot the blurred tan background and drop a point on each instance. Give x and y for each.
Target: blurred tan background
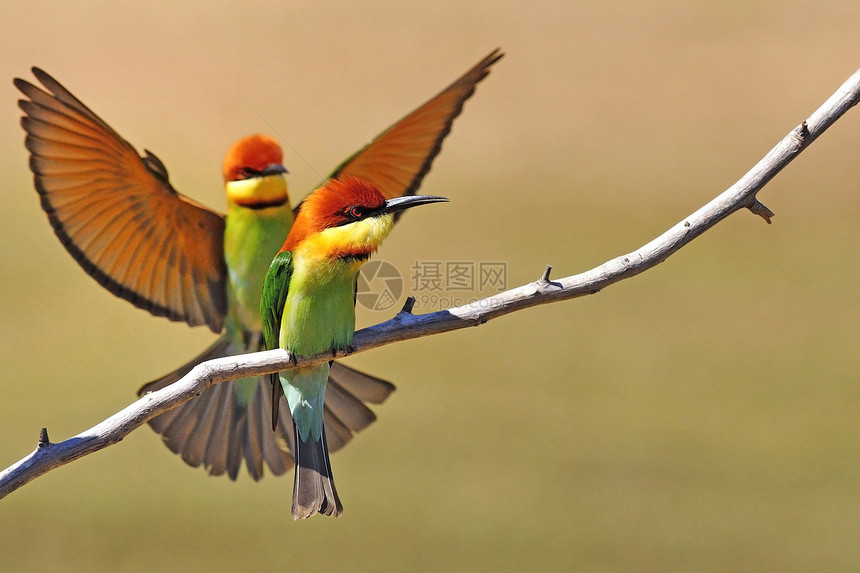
(714, 399)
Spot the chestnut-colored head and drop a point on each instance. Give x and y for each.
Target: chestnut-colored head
(251, 155)
(254, 174)
(347, 217)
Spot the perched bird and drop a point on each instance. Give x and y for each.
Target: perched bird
(117, 214)
(308, 307)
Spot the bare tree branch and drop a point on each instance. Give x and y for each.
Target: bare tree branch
(405, 325)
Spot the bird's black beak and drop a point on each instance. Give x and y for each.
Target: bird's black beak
(400, 203)
(273, 169)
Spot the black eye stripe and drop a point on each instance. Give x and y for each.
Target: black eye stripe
(249, 173)
(358, 213)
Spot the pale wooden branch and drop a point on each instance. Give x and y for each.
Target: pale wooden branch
(405, 325)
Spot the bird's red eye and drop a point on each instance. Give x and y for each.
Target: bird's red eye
(356, 213)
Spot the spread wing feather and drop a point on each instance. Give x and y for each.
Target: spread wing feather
(117, 214)
(398, 159)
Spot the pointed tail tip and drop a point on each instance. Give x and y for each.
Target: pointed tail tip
(306, 512)
(324, 501)
(313, 487)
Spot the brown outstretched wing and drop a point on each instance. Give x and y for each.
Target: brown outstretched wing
(398, 159)
(117, 214)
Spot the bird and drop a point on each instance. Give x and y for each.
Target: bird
(308, 307)
(116, 212)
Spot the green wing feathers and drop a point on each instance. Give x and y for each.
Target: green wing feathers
(276, 285)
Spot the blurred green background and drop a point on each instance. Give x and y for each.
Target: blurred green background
(714, 398)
